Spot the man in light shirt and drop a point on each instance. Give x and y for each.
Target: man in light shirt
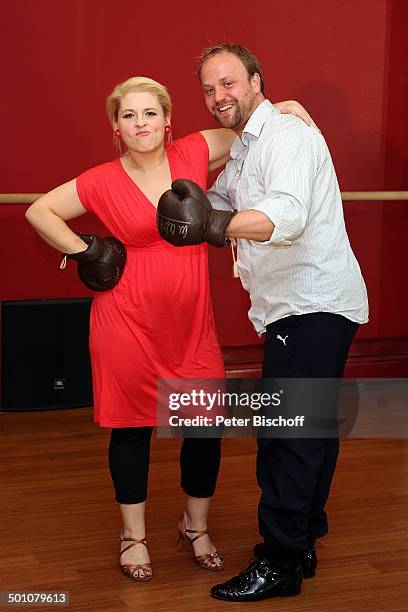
(307, 295)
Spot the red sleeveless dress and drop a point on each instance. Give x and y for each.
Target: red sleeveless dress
(158, 321)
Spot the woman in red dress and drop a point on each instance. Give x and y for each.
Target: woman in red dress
(157, 322)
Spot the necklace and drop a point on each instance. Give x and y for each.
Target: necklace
(129, 157)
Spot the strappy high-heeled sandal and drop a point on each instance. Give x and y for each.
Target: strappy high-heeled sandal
(131, 570)
(209, 561)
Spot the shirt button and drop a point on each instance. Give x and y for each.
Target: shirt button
(286, 242)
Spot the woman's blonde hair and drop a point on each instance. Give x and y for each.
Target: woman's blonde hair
(137, 84)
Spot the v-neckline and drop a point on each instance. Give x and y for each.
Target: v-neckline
(125, 172)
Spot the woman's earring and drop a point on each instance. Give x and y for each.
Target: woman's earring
(167, 131)
(117, 141)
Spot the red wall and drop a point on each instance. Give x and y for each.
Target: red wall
(344, 60)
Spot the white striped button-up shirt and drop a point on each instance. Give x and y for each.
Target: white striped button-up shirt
(283, 168)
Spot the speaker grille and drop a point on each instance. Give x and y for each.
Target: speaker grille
(45, 362)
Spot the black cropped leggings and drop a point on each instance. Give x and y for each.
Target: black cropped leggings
(129, 453)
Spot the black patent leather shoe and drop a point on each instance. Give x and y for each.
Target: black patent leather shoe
(259, 581)
(309, 560)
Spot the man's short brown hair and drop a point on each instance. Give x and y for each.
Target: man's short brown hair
(249, 60)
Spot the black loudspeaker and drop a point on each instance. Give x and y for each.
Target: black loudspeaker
(45, 362)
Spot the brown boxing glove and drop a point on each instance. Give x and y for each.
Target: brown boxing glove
(185, 216)
(101, 265)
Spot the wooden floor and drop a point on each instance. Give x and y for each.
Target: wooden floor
(59, 524)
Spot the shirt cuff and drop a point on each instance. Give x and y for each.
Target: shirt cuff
(276, 211)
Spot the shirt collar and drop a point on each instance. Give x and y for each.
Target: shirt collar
(257, 120)
(253, 127)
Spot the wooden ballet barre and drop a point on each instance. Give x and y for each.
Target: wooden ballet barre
(346, 196)
(19, 198)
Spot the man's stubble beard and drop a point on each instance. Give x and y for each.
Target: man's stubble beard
(242, 112)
